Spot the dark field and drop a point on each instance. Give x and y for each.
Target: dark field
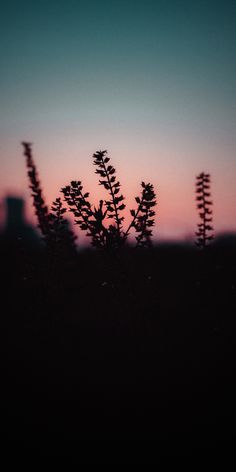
(127, 355)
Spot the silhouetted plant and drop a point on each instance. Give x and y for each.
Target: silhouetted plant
(41, 209)
(61, 238)
(54, 227)
(93, 220)
(109, 181)
(143, 217)
(88, 219)
(205, 228)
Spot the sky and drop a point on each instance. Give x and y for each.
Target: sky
(153, 82)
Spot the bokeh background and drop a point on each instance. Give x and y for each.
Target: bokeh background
(153, 82)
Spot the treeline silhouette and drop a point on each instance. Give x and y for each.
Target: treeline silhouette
(117, 349)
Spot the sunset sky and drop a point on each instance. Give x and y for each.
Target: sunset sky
(153, 82)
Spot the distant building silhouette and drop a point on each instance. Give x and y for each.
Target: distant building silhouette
(16, 227)
(15, 214)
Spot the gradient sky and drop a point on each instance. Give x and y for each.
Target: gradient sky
(154, 82)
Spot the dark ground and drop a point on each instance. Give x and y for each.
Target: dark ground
(132, 356)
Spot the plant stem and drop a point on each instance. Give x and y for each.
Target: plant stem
(112, 196)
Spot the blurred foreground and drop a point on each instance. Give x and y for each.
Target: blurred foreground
(107, 354)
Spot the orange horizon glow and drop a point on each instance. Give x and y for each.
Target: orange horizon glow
(176, 214)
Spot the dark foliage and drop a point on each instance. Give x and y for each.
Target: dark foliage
(109, 181)
(93, 220)
(41, 209)
(54, 227)
(89, 219)
(61, 238)
(143, 217)
(204, 204)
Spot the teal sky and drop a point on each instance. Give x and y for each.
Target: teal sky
(154, 82)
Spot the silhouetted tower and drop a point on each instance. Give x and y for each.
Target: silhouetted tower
(203, 195)
(14, 214)
(16, 226)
